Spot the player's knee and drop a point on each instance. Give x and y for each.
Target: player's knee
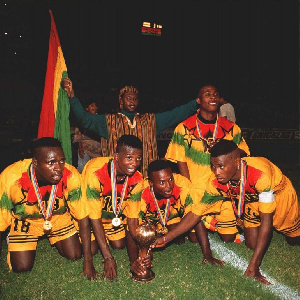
(21, 267)
(192, 237)
(293, 241)
(120, 244)
(74, 254)
(227, 238)
(250, 244)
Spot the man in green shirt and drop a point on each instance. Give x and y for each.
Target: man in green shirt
(145, 126)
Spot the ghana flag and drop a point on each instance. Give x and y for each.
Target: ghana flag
(54, 117)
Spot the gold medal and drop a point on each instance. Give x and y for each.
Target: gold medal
(163, 230)
(116, 222)
(47, 226)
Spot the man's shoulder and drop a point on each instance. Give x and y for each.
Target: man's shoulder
(15, 170)
(181, 180)
(225, 123)
(189, 122)
(96, 163)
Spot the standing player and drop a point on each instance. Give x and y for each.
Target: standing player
(38, 197)
(191, 141)
(145, 126)
(107, 184)
(163, 199)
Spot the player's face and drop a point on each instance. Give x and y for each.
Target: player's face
(92, 108)
(49, 164)
(130, 101)
(128, 160)
(209, 99)
(225, 168)
(162, 183)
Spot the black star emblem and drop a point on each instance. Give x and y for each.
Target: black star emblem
(189, 135)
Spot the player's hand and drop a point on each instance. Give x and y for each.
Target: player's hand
(110, 269)
(159, 242)
(67, 86)
(89, 271)
(254, 273)
(138, 267)
(213, 261)
(147, 260)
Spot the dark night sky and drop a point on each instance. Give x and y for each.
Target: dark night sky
(248, 48)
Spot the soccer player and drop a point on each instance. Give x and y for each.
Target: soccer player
(163, 199)
(107, 184)
(145, 126)
(261, 196)
(190, 144)
(38, 197)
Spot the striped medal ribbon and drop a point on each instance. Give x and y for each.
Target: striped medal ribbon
(210, 141)
(47, 213)
(116, 221)
(163, 221)
(240, 209)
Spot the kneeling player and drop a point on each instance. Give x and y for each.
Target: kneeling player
(37, 198)
(163, 199)
(107, 184)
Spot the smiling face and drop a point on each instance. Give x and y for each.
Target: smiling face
(226, 167)
(162, 183)
(129, 101)
(92, 108)
(128, 160)
(208, 99)
(49, 163)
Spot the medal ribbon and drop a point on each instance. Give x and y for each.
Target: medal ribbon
(215, 130)
(113, 180)
(163, 222)
(47, 214)
(239, 210)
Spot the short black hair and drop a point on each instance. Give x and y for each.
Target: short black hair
(158, 165)
(130, 141)
(45, 142)
(222, 147)
(88, 102)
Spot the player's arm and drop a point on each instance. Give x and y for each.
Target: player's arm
(202, 237)
(95, 123)
(263, 238)
(110, 266)
(186, 223)
(85, 235)
(172, 117)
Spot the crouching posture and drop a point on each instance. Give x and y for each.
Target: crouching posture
(107, 184)
(41, 196)
(163, 199)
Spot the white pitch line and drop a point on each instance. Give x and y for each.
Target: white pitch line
(280, 290)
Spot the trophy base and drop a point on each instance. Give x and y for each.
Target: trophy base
(143, 278)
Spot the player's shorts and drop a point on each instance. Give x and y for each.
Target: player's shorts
(24, 234)
(113, 233)
(286, 217)
(226, 220)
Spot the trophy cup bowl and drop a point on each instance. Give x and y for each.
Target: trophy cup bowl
(144, 236)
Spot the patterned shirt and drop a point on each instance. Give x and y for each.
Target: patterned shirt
(142, 203)
(18, 198)
(97, 189)
(187, 146)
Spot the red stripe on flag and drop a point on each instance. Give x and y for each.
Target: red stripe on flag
(47, 117)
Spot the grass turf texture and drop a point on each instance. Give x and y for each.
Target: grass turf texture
(179, 273)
